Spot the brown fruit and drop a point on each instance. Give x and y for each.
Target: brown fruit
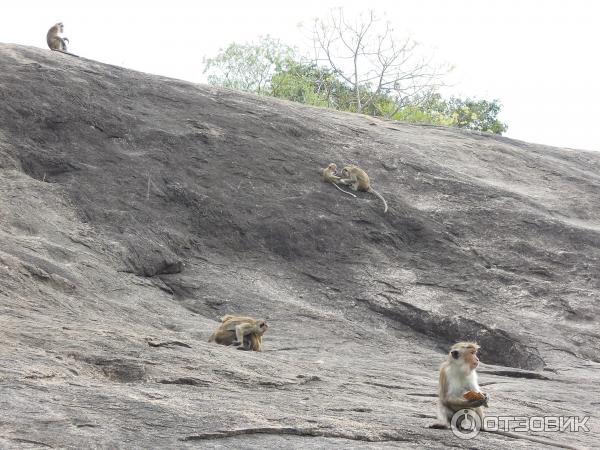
(472, 396)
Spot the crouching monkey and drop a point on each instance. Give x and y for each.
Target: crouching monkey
(240, 331)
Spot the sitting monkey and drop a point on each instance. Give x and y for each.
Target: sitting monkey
(55, 42)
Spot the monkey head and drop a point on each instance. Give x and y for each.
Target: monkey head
(262, 326)
(347, 171)
(465, 354)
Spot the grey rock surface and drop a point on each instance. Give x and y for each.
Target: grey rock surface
(136, 210)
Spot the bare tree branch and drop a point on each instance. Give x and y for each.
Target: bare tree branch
(372, 60)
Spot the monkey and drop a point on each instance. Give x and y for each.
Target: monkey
(227, 337)
(329, 176)
(457, 377)
(358, 180)
(55, 42)
(245, 326)
(240, 331)
(252, 341)
(459, 389)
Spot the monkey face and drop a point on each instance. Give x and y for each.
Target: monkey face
(466, 357)
(262, 325)
(345, 172)
(471, 359)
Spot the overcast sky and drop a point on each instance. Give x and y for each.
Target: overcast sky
(539, 58)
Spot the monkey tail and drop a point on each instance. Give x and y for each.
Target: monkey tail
(385, 208)
(345, 192)
(67, 53)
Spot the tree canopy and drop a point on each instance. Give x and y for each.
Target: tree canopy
(357, 67)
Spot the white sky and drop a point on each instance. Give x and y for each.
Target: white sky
(540, 58)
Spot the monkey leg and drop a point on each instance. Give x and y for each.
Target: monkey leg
(239, 335)
(247, 345)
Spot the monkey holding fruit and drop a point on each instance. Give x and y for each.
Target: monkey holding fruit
(458, 387)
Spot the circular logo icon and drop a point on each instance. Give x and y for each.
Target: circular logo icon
(465, 424)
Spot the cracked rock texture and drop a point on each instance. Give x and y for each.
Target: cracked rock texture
(136, 210)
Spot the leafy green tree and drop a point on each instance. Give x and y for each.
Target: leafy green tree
(272, 68)
(305, 82)
(248, 67)
(480, 115)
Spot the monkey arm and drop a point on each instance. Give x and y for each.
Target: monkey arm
(485, 400)
(240, 331)
(65, 39)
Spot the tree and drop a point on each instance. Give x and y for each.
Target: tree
(476, 114)
(480, 115)
(380, 81)
(372, 61)
(305, 82)
(248, 67)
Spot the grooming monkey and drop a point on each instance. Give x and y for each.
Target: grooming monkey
(252, 340)
(225, 336)
(458, 377)
(358, 180)
(329, 175)
(55, 42)
(243, 332)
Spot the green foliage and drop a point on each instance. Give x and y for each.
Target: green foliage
(416, 114)
(272, 68)
(477, 115)
(305, 82)
(248, 67)
(480, 115)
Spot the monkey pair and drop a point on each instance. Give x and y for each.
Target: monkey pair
(352, 176)
(245, 333)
